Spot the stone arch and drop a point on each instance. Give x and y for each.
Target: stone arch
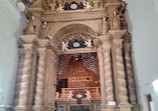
(67, 29)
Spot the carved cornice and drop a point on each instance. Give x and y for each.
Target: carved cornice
(79, 50)
(69, 16)
(112, 4)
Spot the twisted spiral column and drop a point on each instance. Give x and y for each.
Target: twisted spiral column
(108, 73)
(25, 79)
(21, 59)
(130, 76)
(120, 74)
(40, 78)
(101, 73)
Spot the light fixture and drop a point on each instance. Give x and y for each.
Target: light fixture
(155, 84)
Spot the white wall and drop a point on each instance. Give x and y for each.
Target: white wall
(142, 16)
(12, 23)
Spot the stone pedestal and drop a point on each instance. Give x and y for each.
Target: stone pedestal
(22, 109)
(136, 107)
(111, 108)
(124, 107)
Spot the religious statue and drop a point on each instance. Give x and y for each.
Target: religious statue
(115, 21)
(64, 46)
(49, 37)
(88, 95)
(70, 96)
(60, 8)
(88, 43)
(57, 95)
(95, 39)
(87, 5)
(43, 30)
(31, 24)
(105, 26)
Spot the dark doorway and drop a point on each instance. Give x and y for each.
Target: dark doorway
(79, 108)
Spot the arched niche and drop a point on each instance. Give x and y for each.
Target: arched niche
(70, 29)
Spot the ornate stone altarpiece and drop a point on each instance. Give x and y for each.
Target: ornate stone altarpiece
(95, 28)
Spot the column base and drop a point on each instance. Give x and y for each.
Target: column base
(136, 107)
(109, 108)
(40, 108)
(124, 107)
(22, 109)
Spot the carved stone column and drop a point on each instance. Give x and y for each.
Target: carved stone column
(120, 82)
(25, 78)
(40, 78)
(21, 60)
(101, 73)
(119, 69)
(130, 76)
(131, 84)
(52, 80)
(108, 72)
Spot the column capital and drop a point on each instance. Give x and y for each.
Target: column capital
(99, 49)
(127, 46)
(28, 38)
(41, 51)
(117, 34)
(43, 42)
(106, 46)
(21, 51)
(28, 51)
(117, 43)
